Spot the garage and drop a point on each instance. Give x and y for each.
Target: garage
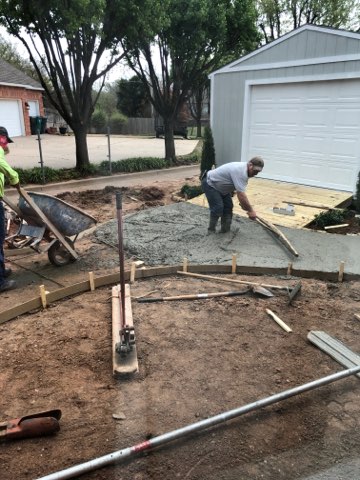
(11, 116)
(296, 102)
(307, 131)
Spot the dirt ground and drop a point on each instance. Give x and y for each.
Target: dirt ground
(196, 359)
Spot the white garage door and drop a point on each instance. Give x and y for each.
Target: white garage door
(308, 133)
(11, 117)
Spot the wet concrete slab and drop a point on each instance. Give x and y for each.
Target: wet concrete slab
(165, 235)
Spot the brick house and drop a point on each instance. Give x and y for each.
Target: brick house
(21, 97)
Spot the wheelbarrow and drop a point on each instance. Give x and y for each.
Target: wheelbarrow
(48, 224)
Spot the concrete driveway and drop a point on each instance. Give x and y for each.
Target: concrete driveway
(59, 151)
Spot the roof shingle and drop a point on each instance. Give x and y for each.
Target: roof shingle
(11, 75)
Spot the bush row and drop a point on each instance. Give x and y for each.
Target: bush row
(139, 164)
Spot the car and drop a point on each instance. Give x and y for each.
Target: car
(180, 130)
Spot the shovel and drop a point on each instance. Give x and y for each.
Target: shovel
(261, 291)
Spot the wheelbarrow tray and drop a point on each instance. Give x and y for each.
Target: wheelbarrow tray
(69, 220)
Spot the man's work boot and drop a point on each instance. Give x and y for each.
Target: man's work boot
(212, 225)
(226, 223)
(7, 285)
(7, 272)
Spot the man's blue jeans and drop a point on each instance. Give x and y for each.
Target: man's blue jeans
(219, 204)
(2, 240)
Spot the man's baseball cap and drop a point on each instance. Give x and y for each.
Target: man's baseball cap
(257, 163)
(4, 133)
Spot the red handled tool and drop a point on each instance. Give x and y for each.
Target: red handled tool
(35, 425)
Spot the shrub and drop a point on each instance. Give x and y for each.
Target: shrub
(208, 152)
(135, 164)
(98, 121)
(35, 175)
(357, 198)
(191, 191)
(330, 217)
(117, 120)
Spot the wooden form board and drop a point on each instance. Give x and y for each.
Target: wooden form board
(129, 364)
(336, 349)
(84, 286)
(266, 194)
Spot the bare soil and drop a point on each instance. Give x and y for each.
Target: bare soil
(197, 359)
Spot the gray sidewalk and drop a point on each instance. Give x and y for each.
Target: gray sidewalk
(150, 177)
(59, 151)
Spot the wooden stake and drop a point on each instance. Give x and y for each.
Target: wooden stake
(356, 315)
(132, 272)
(185, 264)
(233, 265)
(278, 321)
(341, 271)
(342, 225)
(43, 296)
(91, 281)
(289, 269)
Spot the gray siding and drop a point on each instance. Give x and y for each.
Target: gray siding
(306, 44)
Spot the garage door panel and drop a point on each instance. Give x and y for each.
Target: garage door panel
(263, 116)
(11, 117)
(345, 147)
(315, 118)
(308, 132)
(347, 119)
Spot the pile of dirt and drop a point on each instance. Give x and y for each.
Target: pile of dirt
(101, 203)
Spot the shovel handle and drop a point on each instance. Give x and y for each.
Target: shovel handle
(193, 297)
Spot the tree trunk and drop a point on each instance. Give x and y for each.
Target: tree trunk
(82, 153)
(169, 140)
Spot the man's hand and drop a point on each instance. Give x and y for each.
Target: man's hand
(17, 186)
(252, 214)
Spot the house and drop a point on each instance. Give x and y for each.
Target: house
(296, 102)
(21, 97)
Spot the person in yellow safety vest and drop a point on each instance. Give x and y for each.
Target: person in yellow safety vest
(13, 177)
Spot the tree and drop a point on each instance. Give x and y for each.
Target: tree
(208, 152)
(180, 41)
(10, 54)
(277, 17)
(106, 99)
(69, 40)
(132, 98)
(199, 93)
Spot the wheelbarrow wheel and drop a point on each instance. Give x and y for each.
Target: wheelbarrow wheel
(58, 255)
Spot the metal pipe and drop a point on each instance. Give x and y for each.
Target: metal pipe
(41, 156)
(195, 427)
(121, 257)
(109, 149)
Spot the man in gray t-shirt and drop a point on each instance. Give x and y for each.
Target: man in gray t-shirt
(218, 186)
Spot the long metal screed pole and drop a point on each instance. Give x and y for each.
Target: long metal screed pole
(121, 257)
(195, 427)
